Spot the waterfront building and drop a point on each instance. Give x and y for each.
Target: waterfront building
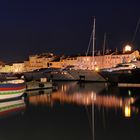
(55, 64)
(69, 61)
(38, 61)
(107, 60)
(18, 67)
(13, 67)
(6, 68)
(49, 61)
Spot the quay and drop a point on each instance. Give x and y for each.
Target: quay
(128, 84)
(37, 85)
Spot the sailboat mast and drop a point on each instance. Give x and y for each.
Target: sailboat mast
(93, 41)
(93, 123)
(104, 43)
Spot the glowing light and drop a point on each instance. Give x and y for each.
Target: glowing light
(129, 92)
(96, 69)
(15, 70)
(127, 48)
(127, 111)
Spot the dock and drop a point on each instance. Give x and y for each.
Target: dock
(129, 85)
(37, 85)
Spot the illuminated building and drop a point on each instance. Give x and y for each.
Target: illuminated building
(15, 67)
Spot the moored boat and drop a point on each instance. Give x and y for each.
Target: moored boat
(122, 73)
(82, 72)
(12, 89)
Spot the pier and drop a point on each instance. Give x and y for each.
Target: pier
(129, 85)
(37, 85)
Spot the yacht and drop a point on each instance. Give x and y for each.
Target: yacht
(122, 73)
(121, 67)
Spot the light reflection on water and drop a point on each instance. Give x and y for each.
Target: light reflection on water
(66, 114)
(86, 94)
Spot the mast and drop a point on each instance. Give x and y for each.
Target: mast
(93, 117)
(137, 27)
(93, 42)
(104, 43)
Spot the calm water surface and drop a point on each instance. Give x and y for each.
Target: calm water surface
(73, 112)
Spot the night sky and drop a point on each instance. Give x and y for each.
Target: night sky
(64, 26)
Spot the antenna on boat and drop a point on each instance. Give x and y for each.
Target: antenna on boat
(137, 27)
(104, 44)
(89, 44)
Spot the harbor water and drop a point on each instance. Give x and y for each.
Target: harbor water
(75, 111)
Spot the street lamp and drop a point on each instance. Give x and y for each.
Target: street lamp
(127, 48)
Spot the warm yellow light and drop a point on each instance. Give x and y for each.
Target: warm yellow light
(127, 111)
(127, 48)
(96, 69)
(15, 70)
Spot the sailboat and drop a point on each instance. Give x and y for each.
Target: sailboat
(90, 74)
(77, 73)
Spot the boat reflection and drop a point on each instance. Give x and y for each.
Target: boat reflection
(38, 92)
(11, 107)
(86, 95)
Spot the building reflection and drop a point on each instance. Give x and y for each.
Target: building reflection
(74, 94)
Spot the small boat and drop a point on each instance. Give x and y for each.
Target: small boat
(12, 89)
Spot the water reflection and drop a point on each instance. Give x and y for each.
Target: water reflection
(73, 112)
(87, 94)
(71, 93)
(11, 107)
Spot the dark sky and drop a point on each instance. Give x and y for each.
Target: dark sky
(64, 26)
